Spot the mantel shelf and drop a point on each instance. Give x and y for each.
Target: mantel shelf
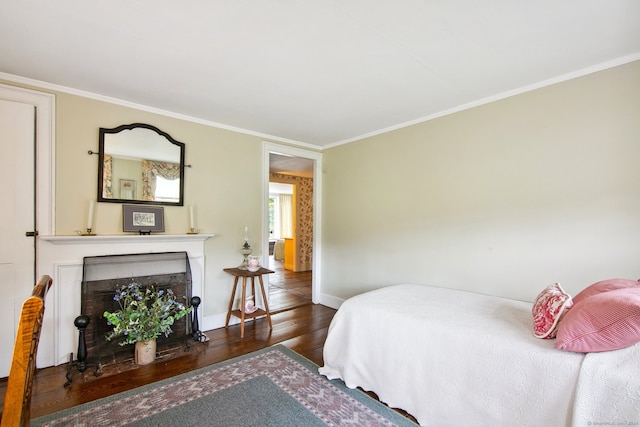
(125, 238)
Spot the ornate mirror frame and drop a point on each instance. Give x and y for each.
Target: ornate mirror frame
(105, 184)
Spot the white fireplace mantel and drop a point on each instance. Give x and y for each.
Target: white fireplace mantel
(125, 238)
(62, 257)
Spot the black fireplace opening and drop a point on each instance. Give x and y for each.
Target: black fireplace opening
(102, 275)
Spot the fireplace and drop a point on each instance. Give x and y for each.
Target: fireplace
(102, 275)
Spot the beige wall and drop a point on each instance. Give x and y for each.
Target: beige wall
(224, 183)
(504, 199)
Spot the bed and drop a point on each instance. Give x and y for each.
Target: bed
(459, 358)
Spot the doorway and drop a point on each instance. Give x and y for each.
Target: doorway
(293, 249)
(290, 286)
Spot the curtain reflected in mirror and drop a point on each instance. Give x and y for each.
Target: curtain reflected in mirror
(154, 175)
(140, 164)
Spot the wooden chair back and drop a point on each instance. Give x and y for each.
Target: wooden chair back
(17, 402)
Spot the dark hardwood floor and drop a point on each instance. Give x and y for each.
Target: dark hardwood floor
(302, 329)
(286, 288)
(297, 324)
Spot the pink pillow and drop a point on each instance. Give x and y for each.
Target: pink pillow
(548, 308)
(605, 286)
(605, 321)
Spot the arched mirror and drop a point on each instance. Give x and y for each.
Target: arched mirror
(139, 163)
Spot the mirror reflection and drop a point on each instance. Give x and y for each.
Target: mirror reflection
(139, 163)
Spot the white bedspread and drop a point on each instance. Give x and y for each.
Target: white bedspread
(608, 391)
(453, 358)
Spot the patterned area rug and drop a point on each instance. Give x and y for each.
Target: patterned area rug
(271, 387)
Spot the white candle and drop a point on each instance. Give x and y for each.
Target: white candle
(90, 215)
(191, 218)
(246, 233)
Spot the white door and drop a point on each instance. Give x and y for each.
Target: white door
(17, 216)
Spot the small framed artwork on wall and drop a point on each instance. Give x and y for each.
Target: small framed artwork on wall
(143, 219)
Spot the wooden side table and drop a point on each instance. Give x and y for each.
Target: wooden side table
(237, 273)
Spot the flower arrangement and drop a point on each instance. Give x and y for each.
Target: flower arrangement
(144, 313)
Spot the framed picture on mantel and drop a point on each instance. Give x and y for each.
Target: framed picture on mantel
(142, 219)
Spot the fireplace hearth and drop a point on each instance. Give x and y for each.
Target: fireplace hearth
(102, 275)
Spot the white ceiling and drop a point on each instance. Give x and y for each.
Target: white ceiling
(288, 165)
(318, 72)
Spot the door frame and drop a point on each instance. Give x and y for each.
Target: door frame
(271, 147)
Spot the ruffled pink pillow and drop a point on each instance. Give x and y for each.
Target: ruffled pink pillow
(605, 286)
(605, 321)
(548, 309)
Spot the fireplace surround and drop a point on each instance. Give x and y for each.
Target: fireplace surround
(102, 275)
(62, 257)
